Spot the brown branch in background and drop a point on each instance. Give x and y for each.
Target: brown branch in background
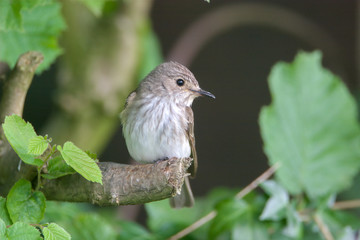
(12, 102)
(254, 184)
(346, 204)
(17, 84)
(228, 17)
(122, 184)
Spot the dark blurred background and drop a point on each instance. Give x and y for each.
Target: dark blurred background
(244, 40)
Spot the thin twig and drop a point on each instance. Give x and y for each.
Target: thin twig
(254, 184)
(211, 215)
(346, 204)
(323, 227)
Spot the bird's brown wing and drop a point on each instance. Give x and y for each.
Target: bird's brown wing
(191, 137)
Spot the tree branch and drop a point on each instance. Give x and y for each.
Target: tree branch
(12, 102)
(122, 184)
(17, 84)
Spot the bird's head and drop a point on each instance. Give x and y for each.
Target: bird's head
(175, 81)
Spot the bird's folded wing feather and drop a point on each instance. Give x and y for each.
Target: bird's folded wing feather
(191, 137)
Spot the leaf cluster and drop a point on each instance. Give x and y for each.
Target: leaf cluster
(23, 208)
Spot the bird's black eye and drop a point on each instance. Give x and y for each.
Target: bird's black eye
(180, 82)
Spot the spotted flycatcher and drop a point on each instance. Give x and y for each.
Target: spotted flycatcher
(158, 122)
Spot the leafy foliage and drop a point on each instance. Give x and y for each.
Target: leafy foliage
(81, 162)
(24, 205)
(55, 232)
(30, 25)
(21, 231)
(57, 167)
(311, 127)
(19, 134)
(37, 145)
(4, 214)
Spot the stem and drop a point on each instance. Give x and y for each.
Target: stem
(323, 227)
(52, 151)
(38, 185)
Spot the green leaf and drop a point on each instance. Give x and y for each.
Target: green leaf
(92, 155)
(95, 6)
(229, 213)
(2, 229)
(37, 145)
(24, 205)
(19, 133)
(92, 227)
(10, 17)
(81, 162)
(311, 128)
(55, 232)
(294, 224)
(30, 26)
(4, 214)
(275, 208)
(134, 231)
(23, 231)
(57, 168)
(250, 231)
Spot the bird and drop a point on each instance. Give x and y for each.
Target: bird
(158, 121)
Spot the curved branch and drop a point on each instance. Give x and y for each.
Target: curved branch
(250, 14)
(12, 102)
(122, 184)
(17, 84)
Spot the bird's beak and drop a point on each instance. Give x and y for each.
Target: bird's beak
(204, 93)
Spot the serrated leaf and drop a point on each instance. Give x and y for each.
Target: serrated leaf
(4, 214)
(311, 128)
(229, 213)
(32, 26)
(37, 145)
(24, 205)
(81, 162)
(275, 208)
(19, 133)
(23, 231)
(57, 168)
(55, 232)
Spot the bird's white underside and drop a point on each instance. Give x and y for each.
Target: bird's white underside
(149, 131)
